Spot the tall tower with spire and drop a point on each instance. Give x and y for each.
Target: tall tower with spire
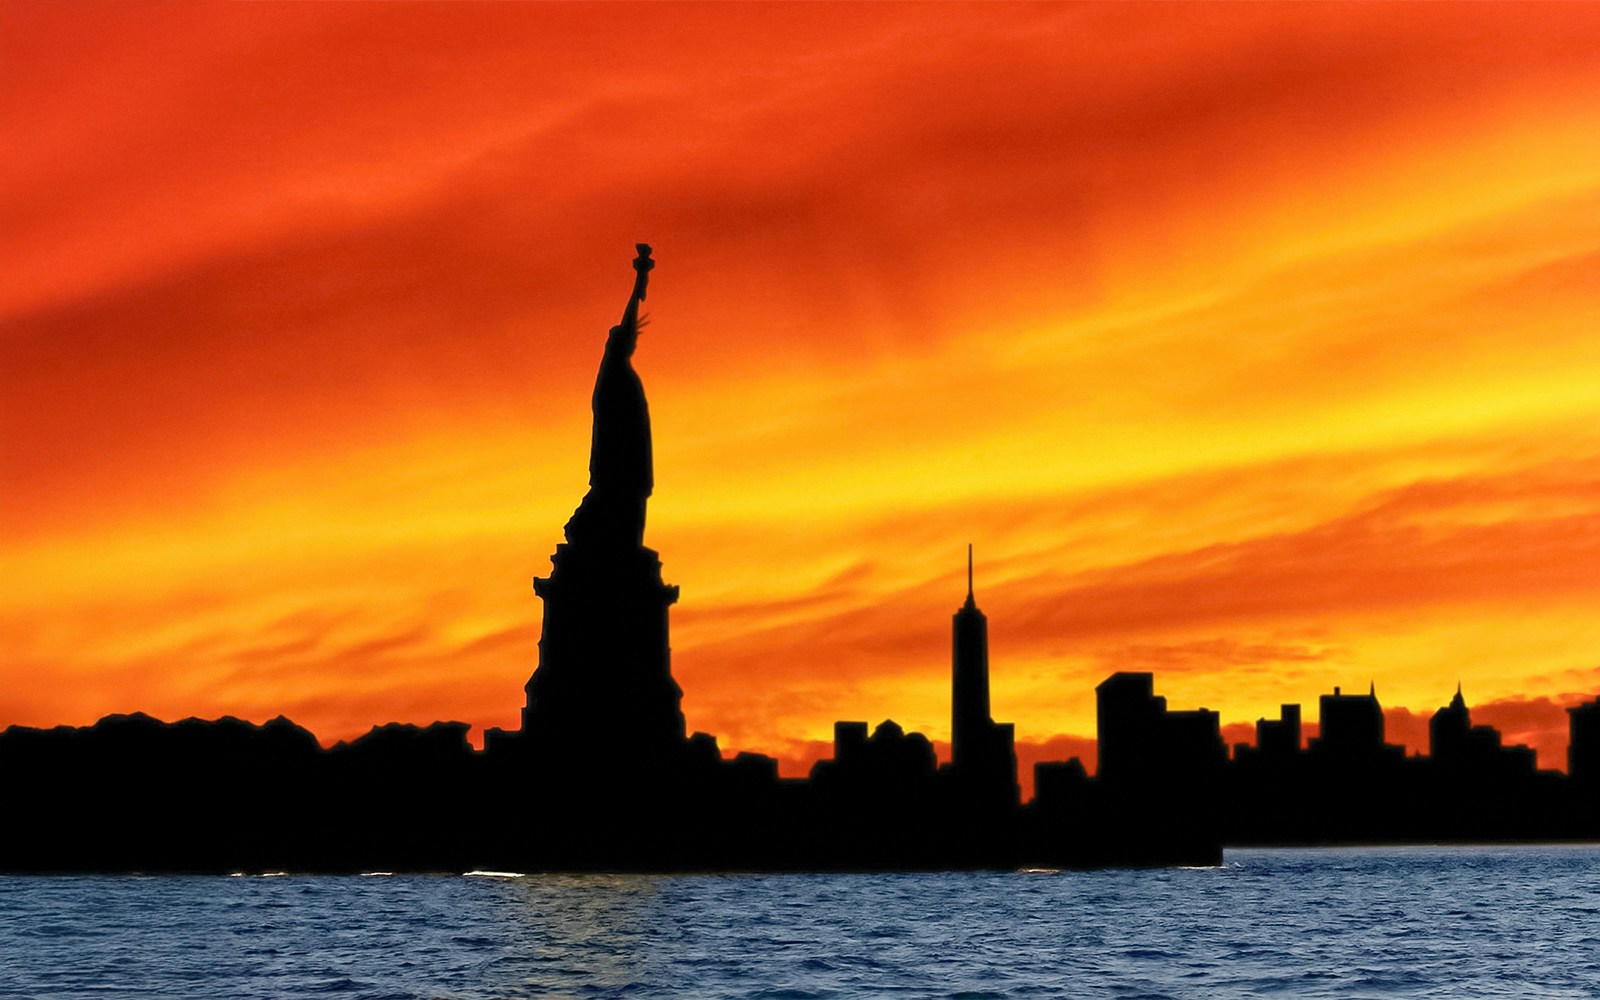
(969, 698)
(982, 752)
(603, 694)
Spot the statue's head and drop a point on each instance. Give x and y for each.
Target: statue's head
(620, 339)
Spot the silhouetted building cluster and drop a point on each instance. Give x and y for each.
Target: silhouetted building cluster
(1350, 786)
(601, 773)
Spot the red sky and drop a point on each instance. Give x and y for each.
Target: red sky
(1252, 344)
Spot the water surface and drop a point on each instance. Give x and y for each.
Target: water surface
(1413, 922)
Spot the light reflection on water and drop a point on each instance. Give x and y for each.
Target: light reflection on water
(1348, 923)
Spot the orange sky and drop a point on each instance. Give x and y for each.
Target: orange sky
(1255, 345)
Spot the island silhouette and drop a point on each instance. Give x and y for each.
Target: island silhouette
(603, 775)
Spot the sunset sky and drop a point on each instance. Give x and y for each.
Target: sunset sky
(1255, 345)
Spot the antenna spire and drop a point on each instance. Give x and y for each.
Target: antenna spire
(969, 572)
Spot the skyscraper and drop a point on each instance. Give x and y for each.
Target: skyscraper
(1583, 746)
(982, 752)
(1351, 725)
(1142, 743)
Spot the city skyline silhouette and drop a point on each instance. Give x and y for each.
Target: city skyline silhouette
(603, 775)
(1252, 349)
(633, 472)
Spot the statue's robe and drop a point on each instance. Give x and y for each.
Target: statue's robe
(620, 467)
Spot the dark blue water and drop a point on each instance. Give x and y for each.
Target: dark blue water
(1434, 922)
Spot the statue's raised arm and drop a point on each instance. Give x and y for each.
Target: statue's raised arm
(641, 266)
